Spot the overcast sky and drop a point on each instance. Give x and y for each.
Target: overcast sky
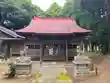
(45, 4)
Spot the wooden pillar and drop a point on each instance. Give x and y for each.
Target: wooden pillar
(66, 51)
(1, 42)
(6, 51)
(11, 52)
(41, 53)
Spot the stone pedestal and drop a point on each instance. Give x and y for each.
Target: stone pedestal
(81, 66)
(23, 65)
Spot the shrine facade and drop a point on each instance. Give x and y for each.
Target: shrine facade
(49, 39)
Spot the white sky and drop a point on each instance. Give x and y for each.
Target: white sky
(45, 4)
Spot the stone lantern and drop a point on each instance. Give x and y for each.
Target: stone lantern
(23, 64)
(81, 64)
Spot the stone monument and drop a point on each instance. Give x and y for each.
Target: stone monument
(81, 64)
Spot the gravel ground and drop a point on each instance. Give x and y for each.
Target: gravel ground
(102, 62)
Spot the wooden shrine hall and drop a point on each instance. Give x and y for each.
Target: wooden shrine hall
(54, 38)
(47, 39)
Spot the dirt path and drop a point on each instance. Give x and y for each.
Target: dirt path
(104, 76)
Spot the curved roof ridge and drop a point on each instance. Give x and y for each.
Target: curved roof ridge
(60, 18)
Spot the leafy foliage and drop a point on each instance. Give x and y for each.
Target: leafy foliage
(96, 21)
(90, 14)
(53, 11)
(33, 10)
(71, 9)
(14, 15)
(67, 10)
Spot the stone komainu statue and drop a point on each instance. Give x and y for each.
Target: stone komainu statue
(24, 52)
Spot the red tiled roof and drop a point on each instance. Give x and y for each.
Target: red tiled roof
(53, 25)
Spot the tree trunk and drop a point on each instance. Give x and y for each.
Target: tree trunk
(104, 48)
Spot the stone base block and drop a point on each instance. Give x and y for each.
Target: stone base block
(93, 73)
(23, 76)
(64, 81)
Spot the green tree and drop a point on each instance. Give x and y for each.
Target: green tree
(33, 10)
(96, 21)
(19, 3)
(11, 16)
(68, 9)
(90, 14)
(53, 10)
(15, 16)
